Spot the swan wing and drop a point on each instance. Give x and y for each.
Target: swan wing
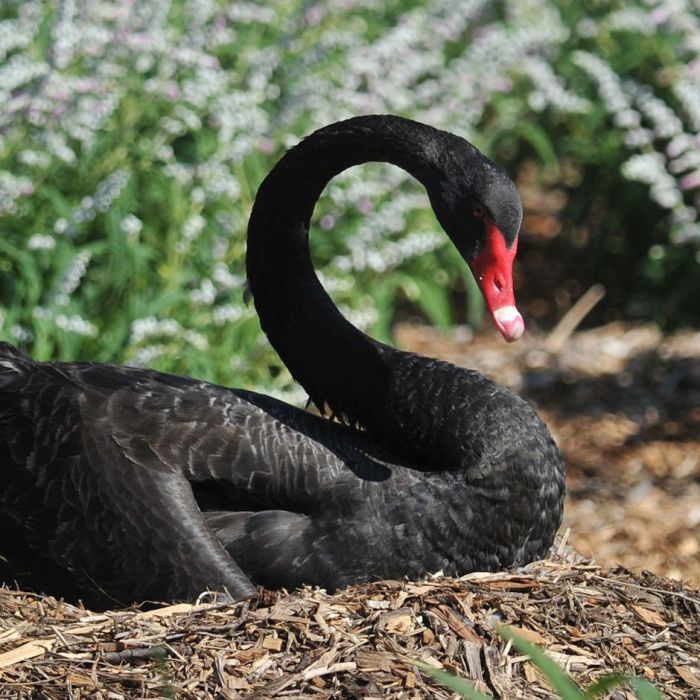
(289, 495)
(158, 540)
(126, 525)
(111, 472)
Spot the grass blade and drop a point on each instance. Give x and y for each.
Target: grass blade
(464, 688)
(604, 684)
(559, 680)
(643, 689)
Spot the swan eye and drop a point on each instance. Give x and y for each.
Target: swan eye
(479, 211)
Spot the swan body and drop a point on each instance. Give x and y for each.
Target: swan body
(127, 484)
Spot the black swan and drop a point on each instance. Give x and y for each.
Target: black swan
(143, 485)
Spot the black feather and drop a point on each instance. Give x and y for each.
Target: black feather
(128, 484)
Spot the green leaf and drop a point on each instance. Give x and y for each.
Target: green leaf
(537, 137)
(464, 688)
(604, 684)
(643, 689)
(558, 679)
(475, 301)
(433, 300)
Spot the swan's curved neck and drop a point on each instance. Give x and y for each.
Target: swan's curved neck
(337, 364)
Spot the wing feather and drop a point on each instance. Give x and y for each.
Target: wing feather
(109, 469)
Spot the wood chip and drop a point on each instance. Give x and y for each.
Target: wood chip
(690, 674)
(26, 651)
(273, 643)
(398, 621)
(454, 622)
(651, 617)
(528, 634)
(359, 642)
(373, 661)
(327, 670)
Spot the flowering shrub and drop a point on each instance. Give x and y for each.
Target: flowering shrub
(133, 137)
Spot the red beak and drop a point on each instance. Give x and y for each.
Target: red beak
(493, 270)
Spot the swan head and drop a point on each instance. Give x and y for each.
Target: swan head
(492, 268)
(479, 207)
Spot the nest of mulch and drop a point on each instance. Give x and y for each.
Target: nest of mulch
(362, 642)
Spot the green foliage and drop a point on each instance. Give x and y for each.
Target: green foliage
(615, 104)
(133, 137)
(558, 679)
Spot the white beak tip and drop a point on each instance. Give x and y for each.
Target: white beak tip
(509, 322)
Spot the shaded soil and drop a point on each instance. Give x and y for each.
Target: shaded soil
(623, 403)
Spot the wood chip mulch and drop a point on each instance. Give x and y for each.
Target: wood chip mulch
(362, 641)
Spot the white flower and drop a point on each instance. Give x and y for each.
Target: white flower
(40, 241)
(72, 277)
(228, 313)
(12, 188)
(193, 226)
(131, 225)
(76, 324)
(205, 293)
(21, 334)
(149, 327)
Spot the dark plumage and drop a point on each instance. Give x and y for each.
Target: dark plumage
(144, 485)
